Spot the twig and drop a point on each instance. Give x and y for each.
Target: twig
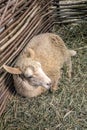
(4, 12)
(81, 48)
(15, 6)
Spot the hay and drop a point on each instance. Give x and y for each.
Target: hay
(66, 109)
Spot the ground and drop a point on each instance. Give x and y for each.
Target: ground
(65, 109)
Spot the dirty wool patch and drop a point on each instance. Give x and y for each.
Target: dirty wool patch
(65, 109)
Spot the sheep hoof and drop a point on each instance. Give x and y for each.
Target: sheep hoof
(54, 88)
(43, 89)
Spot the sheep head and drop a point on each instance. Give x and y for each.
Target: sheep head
(31, 70)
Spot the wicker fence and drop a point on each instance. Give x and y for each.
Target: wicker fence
(20, 20)
(68, 11)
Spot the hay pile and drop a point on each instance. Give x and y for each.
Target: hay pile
(65, 109)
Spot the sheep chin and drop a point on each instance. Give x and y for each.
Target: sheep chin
(46, 86)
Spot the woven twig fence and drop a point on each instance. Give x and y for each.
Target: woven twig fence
(20, 20)
(69, 11)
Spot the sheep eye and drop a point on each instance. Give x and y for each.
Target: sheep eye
(38, 64)
(30, 77)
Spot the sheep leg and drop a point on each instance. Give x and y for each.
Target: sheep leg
(69, 68)
(55, 86)
(37, 91)
(56, 80)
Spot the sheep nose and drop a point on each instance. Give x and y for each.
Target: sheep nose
(49, 84)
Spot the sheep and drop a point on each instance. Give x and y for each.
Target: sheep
(38, 67)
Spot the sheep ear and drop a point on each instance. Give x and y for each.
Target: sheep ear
(29, 53)
(12, 70)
